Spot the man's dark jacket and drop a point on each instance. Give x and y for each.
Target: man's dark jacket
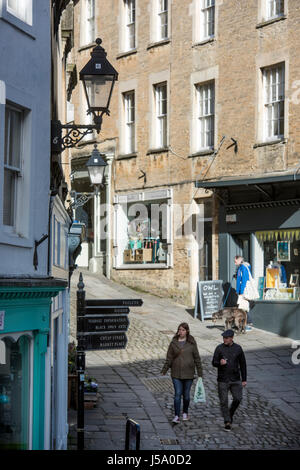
(236, 363)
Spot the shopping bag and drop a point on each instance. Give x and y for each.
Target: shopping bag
(243, 303)
(251, 291)
(199, 395)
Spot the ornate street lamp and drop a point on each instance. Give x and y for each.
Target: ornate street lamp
(98, 77)
(96, 167)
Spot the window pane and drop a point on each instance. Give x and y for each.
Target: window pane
(130, 23)
(162, 19)
(129, 103)
(13, 122)
(275, 8)
(208, 19)
(90, 21)
(161, 114)
(205, 116)
(9, 197)
(274, 101)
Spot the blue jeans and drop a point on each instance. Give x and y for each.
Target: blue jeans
(182, 387)
(249, 318)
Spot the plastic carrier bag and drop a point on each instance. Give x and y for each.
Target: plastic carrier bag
(199, 395)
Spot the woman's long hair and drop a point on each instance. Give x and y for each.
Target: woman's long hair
(187, 328)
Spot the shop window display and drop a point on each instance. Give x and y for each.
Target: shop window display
(14, 393)
(146, 234)
(281, 251)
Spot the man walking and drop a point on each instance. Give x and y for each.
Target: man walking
(230, 360)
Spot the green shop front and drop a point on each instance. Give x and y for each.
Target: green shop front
(259, 219)
(24, 340)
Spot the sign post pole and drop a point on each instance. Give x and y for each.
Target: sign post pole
(101, 325)
(80, 364)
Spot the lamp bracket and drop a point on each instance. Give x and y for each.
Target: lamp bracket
(81, 200)
(75, 133)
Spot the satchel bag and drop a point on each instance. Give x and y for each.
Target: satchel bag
(250, 292)
(199, 395)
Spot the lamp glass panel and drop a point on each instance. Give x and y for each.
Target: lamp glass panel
(96, 174)
(98, 89)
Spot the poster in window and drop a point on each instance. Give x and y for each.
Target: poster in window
(294, 280)
(283, 251)
(272, 278)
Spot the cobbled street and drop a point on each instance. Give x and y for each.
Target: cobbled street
(130, 383)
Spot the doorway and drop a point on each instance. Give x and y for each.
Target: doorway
(242, 243)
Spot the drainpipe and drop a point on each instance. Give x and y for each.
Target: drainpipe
(109, 159)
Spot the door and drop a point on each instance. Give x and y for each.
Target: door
(205, 249)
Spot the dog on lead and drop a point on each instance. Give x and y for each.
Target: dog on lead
(233, 316)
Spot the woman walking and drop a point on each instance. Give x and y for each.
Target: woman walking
(182, 357)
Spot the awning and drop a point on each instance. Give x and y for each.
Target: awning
(244, 180)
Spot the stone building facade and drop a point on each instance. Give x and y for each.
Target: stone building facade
(208, 90)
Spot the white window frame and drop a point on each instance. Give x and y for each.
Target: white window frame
(129, 121)
(22, 9)
(129, 24)
(88, 23)
(164, 196)
(159, 13)
(273, 78)
(15, 170)
(161, 114)
(162, 19)
(205, 115)
(207, 15)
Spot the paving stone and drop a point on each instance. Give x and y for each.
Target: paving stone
(268, 417)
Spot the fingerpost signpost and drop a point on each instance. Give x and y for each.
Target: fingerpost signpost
(101, 325)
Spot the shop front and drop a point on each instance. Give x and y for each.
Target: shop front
(259, 219)
(24, 340)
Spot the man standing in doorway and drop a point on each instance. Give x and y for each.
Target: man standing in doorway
(230, 360)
